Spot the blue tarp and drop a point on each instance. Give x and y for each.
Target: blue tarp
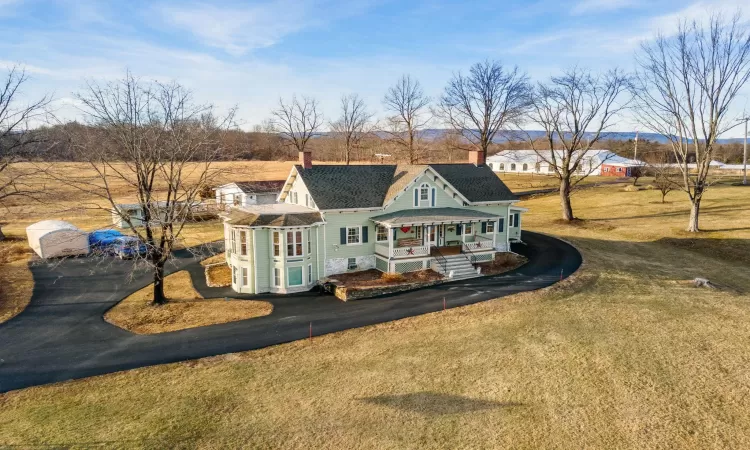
(103, 238)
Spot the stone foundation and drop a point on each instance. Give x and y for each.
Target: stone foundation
(341, 265)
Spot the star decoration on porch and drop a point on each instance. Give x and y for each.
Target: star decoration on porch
(410, 251)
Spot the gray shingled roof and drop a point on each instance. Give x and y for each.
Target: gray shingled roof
(476, 183)
(345, 187)
(260, 187)
(431, 215)
(369, 186)
(272, 219)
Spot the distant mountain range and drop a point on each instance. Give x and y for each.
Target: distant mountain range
(437, 133)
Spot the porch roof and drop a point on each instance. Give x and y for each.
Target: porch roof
(432, 216)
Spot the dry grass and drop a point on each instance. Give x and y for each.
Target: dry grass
(219, 276)
(186, 309)
(529, 181)
(623, 355)
(16, 282)
(375, 278)
(217, 258)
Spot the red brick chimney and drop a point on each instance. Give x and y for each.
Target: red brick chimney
(305, 159)
(476, 157)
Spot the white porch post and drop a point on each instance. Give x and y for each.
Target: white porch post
(390, 241)
(494, 236)
(463, 233)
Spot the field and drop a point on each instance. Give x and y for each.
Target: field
(627, 353)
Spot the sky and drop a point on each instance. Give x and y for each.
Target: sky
(249, 54)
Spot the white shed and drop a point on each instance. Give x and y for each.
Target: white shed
(53, 238)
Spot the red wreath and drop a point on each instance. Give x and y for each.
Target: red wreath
(405, 229)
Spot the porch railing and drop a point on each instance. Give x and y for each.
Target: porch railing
(480, 243)
(402, 252)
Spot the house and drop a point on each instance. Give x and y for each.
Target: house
(394, 218)
(133, 211)
(244, 193)
(594, 162)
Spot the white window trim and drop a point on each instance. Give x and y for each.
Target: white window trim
(494, 226)
(309, 274)
(288, 277)
(376, 233)
(294, 243)
(359, 235)
(277, 281)
(281, 244)
(464, 228)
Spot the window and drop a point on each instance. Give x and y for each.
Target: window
(502, 166)
(309, 243)
(606, 169)
(236, 200)
(309, 274)
(276, 243)
(619, 169)
(468, 228)
(351, 263)
(244, 276)
(294, 276)
(418, 232)
(234, 241)
(243, 243)
(293, 243)
(550, 168)
(513, 167)
(525, 167)
(234, 275)
(381, 233)
(501, 225)
(491, 227)
(515, 219)
(276, 276)
(422, 196)
(353, 236)
(222, 198)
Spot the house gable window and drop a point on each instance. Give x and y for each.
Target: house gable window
(294, 243)
(424, 196)
(381, 233)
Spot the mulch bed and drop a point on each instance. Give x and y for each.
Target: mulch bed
(374, 278)
(503, 262)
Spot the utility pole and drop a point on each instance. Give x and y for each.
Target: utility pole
(744, 155)
(635, 150)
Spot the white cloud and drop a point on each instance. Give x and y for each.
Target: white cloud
(600, 6)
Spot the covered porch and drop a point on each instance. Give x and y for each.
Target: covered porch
(429, 232)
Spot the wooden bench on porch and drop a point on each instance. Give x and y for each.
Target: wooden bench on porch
(408, 242)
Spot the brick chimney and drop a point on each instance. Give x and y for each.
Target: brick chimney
(305, 159)
(476, 157)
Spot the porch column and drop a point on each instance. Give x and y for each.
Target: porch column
(390, 241)
(463, 232)
(494, 235)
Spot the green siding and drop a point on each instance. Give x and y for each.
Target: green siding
(405, 200)
(263, 266)
(335, 221)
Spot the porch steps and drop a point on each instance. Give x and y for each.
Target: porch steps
(460, 266)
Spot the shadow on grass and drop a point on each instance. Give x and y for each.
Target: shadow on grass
(436, 404)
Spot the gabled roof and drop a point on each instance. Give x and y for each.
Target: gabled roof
(476, 183)
(431, 215)
(347, 187)
(260, 187)
(373, 186)
(274, 215)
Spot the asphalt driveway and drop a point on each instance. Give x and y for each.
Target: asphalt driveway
(62, 335)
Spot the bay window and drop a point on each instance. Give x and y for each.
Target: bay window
(293, 243)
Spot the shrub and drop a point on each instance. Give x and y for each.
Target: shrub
(632, 188)
(392, 277)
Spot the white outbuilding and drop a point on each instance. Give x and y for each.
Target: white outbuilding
(54, 238)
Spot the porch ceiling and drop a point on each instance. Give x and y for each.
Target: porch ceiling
(432, 216)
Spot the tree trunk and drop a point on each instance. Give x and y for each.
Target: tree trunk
(567, 208)
(159, 297)
(694, 211)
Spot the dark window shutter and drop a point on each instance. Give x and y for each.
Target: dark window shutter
(395, 233)
(517, 220)
(501, 225)
(433, 196)
(365, 230)
(458, 229)
(484, 227)
(343, 236)
(416, 197)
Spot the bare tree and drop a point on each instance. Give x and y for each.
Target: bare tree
(409, 107)
(297, 121)
(479, 105)
(17, 140)
(353, 125)
(685, 85)
(151, 142)
(575, 110)
(666, 175)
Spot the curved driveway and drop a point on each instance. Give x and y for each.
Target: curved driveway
(61, 335)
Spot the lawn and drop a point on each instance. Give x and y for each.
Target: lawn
(624, 354)
(186, 308)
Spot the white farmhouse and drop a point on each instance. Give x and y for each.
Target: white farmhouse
(246, 193)
(595, 162)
